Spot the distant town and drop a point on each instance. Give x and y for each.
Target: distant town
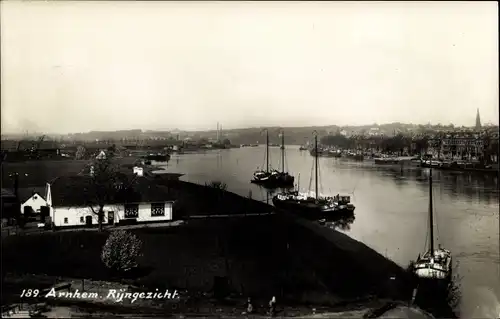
(294, 135)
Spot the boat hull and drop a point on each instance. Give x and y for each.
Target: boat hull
(313, 211)
(437, 270)
(458, 168)
(158, 157)
(274, 180)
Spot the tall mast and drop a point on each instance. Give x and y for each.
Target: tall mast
(431, 215)
(267, 151)
(316, 164)
(282, 151)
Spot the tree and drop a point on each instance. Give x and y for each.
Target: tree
(80, 152)
(226, 141)
(112, 149)
(104, 185)
(217, 185)
(121, 250)
(338, 140)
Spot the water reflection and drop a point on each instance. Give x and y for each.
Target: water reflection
(478, 187)
(342, 222)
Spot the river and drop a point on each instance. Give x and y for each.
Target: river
(391, 208)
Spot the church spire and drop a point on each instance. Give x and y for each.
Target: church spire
(478, 120)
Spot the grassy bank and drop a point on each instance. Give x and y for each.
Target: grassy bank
(250, 252)
(262, 255)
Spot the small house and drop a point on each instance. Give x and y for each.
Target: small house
(32, 200)
(101, 155)
(139, 171)
(73, 201)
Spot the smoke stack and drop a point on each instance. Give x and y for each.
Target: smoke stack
(48, 196)
(218, 131)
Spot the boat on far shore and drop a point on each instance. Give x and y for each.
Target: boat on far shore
(325, 152)
(249, 145)
(459, 165)
(398, 160)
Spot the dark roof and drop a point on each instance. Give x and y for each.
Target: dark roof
(25, 193)
(82, 191)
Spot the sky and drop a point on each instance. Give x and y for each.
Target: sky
(79, 66)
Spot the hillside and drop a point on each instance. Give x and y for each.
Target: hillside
(293, 135)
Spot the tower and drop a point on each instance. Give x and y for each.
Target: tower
(478, 120)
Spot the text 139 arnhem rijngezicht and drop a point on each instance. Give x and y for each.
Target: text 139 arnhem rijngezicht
(118, 295)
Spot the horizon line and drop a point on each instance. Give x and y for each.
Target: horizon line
(27, 133)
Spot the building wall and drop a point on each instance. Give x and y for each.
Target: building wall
(34, 203)
(77, 216)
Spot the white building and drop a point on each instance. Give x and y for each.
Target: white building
(72, 203)
(32, 199)
(139, 171)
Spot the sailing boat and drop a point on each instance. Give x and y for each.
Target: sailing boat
(313, 207)
(272, 178)
(282, 179)
(435, 263)
(263, 176)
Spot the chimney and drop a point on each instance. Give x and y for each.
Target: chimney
(48, 196)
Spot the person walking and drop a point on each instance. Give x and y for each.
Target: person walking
(272, 307)
(249, 306)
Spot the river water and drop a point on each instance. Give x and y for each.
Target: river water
(391, 209)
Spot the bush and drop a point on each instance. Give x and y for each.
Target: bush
(121, 250)
(217, 185)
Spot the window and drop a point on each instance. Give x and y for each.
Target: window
(157, 209)
(65, 220)
(131, 210)
(82, 220)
